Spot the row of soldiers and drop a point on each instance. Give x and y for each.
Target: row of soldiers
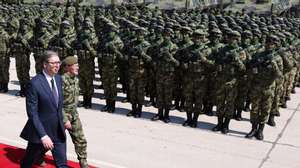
(196, 59)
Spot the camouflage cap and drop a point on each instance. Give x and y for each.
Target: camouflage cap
(186, 29)
(280, 35)
(88, 23)
(256, 32)
(234, 33)
(227, 30)
(287, 34)
(44, 23)
(141, 30)
(200, 32)
(70, 60)
(273, 39)
(169, 24)
(247, 33)
(2, 22)
(216, 31)
(264, 30)
(168, 30)
(277, 27)
(159, 27)
(65, 23)
(143, 23)
(271, 28)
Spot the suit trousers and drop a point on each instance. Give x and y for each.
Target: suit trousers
(35, 151)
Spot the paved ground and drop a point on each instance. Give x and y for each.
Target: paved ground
(116, 141)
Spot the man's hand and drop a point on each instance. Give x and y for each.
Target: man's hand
(47, 143)
(68, 125)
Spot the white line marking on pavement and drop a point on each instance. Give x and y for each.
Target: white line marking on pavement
(22, 144)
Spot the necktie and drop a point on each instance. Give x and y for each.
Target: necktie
(54, 92)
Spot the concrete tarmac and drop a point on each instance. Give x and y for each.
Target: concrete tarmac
(118, 141)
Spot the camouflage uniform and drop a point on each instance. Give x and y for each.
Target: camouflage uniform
(4, 59)
(210, 96)
(137, 58)
(62, 43)
(84, 46)
(165, 67)
(21, 50)
(195, 78)
(151, 68)
(70, 113)
(264, 71)
(288, 72)
(40, 43)
(229, 64)
(110, 50)
(243, 80)
(180, 71)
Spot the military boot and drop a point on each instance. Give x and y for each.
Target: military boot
(238, 115)
(133, 111)
(107, 106)
(83, 163)
(253, 131)
(188, 120)
(293, 90)
(271, 120)
(5, 88)
(283, 104)
(112, 106)
(194, 123)
(158, 116)
(1, 87)
(88, 102)
(208, 109)
(219, 126)
(259, 134)
(225, 128)
(138, 114)
(166, 115)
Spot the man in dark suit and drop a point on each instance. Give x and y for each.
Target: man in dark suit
(44, 129)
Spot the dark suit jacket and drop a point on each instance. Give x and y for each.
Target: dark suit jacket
(44, 117)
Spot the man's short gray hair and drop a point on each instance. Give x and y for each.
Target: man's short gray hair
(48, 54)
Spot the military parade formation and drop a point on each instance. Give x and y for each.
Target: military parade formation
(190, 60)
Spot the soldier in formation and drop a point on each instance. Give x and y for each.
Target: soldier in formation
(191, 60)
